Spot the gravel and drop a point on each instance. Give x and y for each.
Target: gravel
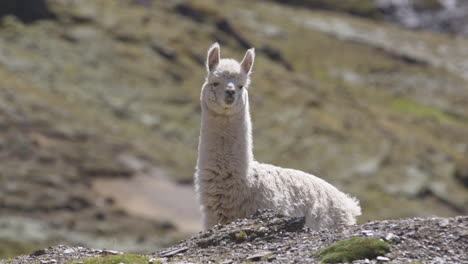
(268, 237)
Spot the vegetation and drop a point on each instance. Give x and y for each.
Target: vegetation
(11, 248)
(125, 258)
(353, 249)
(240, 236)
(422, 111)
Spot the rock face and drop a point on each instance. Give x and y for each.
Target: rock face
(445, 16)
(267, 237)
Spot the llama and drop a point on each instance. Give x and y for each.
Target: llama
(229, 183)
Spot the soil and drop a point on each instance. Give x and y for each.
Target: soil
(155, 198)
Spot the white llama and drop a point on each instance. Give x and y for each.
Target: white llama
(230, 184)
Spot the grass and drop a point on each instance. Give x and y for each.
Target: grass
(10, 249)
(125, 258)
(353, 249)
(420, 110)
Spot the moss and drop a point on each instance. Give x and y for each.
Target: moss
(125, 258)
(241, 236)
(353, 249)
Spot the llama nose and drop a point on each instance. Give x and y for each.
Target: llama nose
(230, 93)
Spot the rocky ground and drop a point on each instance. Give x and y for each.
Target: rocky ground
(443, 16)
(267, 237)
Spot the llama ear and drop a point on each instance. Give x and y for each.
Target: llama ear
(248, 61)
(213, 57)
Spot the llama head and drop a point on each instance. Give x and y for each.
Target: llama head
(225, 88)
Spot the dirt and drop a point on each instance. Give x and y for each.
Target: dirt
(151, 193)
(155, 198)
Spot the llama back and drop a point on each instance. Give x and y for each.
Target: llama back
(296, 193)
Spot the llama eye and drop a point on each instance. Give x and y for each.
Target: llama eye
(241, 86)
(215, 84)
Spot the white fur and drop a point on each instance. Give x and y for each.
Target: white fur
(230, 184)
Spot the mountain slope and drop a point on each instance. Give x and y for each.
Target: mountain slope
(379, 111)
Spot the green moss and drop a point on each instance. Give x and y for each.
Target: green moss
(353, 249)
(125, 258)
(420, 110)
(241, 236)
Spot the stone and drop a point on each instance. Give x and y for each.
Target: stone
(112, 252)
(444, 222)
(390, 237)
(382, 259)
(367, 233)
(258, 256)
(171, 253)
(150, 120)
(157, 260)
(68, 251)
(50, 261)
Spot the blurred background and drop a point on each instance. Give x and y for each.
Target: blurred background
(100, 117)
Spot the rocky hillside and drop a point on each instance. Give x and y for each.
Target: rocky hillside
(271, 238)
(443, 16)
(99, 114)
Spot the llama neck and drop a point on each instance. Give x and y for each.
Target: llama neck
(226, 143)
